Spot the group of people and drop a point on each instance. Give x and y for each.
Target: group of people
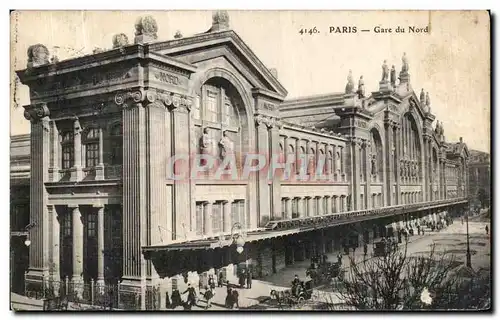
(245, 278)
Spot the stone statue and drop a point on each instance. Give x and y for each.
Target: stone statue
(427, 100)
(227, 145)
(349, 87)
(385, 71)
(146, 26)
(177, 34)
(436, 130)
(404, 67)
(374, 164)
(441, 129)
(361, 87)
(422, 97)
(393, 76)
(120, 40)
(206, 143)
(220, 20)
(38, 55)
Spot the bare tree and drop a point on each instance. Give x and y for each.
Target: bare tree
(396, 280)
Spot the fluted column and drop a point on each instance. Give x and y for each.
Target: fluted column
(335, 204)
(366, 152)
(54, 149)
(298, 160)
(328, 205)
(398, 199)
(276, 179)
(55, 243)
(301, 208)
(77, 239)
(226, 216)
(39, 211)
(288, 208)
(207, 219)
(344, 204)
(100, 245)
(264, 189)
(310, 207)
(389, 164)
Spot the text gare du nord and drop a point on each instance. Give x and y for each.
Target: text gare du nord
(380, 29)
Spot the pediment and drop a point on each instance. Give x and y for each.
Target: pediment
(225, 44)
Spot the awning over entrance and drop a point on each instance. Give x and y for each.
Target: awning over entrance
(213, 243)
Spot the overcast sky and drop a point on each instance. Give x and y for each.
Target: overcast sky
(452, 61)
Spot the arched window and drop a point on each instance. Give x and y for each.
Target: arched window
(91, 144)
(291, 158)
(116, 144)
(68, 149)
(329, 163)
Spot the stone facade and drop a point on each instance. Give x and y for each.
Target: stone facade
(104, 127)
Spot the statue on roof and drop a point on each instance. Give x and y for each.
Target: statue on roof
(393, 76)
(178, 34)
(427, 100)
(385, 71)
(436, 130)
(120, 40)
(38, 54)
(361, 87)
(422, 97)
(146, 26)
(349, 87)
(404, 67)
(220, 20)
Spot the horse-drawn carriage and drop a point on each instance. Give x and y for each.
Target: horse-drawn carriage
(295, 296)
(324, 272)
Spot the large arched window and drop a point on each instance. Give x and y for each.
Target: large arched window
(410, 162)
(68, 149)
(91, 143)
(221, 109)
(116, 144)
(376, 159)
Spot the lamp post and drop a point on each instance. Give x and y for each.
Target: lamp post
(469, 264)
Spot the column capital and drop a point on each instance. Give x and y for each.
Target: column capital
(74, 206)
(36, 112)
(98, 205)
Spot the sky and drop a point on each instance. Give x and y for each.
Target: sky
(451, 61)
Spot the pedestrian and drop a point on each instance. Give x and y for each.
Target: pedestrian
(339, 258)
(220, 280)
(242, 279)
(191, 299)
(209, 294)
(229, 298)
(365, 249)
(211, 282)
(235, 298)
(249, 279)
(168, 305)
(487, 229)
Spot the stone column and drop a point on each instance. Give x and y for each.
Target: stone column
(310, 206)
(76, 171)
(276, 182)
(297, 157)
(366, 151)
(264, 189)
(301, 208)
(39, 156)
(319, 206)
(355, 173)
(432, 177)
(207, 219)
(389, 163)
(335, 204)
(397, 133)
(288, 208)
(328, 205)
(226, 207)
(342, 164)
(99, 170)
(55, 245)
(344, 204)
(77, 220)
(100, 245)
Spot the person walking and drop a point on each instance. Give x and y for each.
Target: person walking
(365, 249)
(220, 280)
(209, 294)
(191, 299)
(211, 282)
(487, 229)
(229, 298)
(249, 279)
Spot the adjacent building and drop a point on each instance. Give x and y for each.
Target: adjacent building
(479, 176)
(104, 205)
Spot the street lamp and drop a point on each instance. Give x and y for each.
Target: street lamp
(30, 226)
(237, 237)
(469, 264)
